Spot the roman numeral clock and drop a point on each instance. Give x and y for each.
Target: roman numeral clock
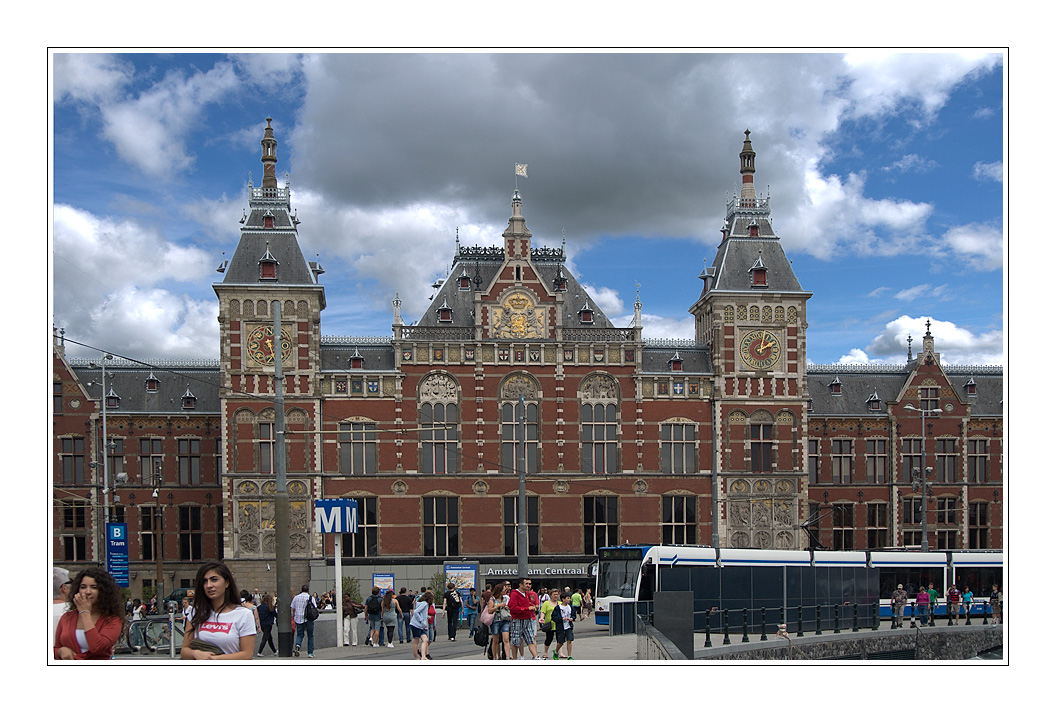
(760, 349)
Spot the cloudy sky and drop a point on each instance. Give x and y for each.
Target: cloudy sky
(885, 170)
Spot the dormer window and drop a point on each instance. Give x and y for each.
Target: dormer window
(152, 384)
(874, 402)
(586, 314)
(835, 387)
(810, 404)
(444, 313)
(969, 387)
(560, 282)
(112, 399)
(675, 362)
(753, 230)
(269, 220)
(463, 280)
(269, 266)
(758, 271)
(356, 360)
(189, 399)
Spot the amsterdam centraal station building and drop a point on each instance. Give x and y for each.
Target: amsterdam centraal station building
(728, 439)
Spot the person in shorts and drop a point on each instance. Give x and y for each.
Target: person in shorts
(562, 620)
(524, 607)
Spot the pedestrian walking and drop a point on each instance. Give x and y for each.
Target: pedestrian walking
(373, 606)
(452, 606)
(350, 620)
(389, 616)
(419, 627)
(499, 608)
(995, 603)
(546, 623)
(588, 603)
(968, 598)
(922, 609)
(403, 621)
(577, 603)
(898, 606)
(432, 616)
(304, 625)
(266, 616)
(563, 619)
(933, 600)
(523, 610)
(472, 605)
(953, 603)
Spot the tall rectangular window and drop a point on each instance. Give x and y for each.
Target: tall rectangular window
(843, 526)
(813, 460)
(364, 542)
(266, 447)
(978, 455)
(531, 437)
(115, 457)
(190, 532)
(357, 448)
(877, 526)
(189, 461)
(146, 532)
(150, 461)
(678, 448)
(842, 460)
(509, 524)
(71, 456)
(439, 438)
(601, 525)
(911, 511)
(946, 460)
(876, 460)
(946, 517)
(910, 458)
(219, 458)
(440, 526)
(599, 441)
(814, 524)
(679, 520)
(56, 398)
(762, 448)
(978, 526)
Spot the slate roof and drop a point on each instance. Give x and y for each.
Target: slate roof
(334, 357)
(735, 258)
(129, 384)
(657, 360)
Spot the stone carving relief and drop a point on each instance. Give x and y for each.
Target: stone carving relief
(438, 388)
(761, 512)
(517, 385)
(254, 507)
(599, 387)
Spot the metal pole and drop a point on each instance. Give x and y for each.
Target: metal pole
(522, 499)
(282, 497)
(337, 588)
(106, 494)
(923, 487)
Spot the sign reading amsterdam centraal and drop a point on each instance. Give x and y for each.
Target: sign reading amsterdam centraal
(547, 571)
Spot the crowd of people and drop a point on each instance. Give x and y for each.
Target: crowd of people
(922, 605)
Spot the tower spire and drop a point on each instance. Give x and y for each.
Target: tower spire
(268, 157)
(747, 169)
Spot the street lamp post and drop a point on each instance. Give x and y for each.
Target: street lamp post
(923, 473)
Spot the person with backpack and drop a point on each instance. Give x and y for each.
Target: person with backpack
(452, 606)
(303, 607)
(373, 607)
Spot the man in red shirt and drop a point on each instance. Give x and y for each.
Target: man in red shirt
(523, 607)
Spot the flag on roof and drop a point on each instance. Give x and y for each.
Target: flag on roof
(521, 169)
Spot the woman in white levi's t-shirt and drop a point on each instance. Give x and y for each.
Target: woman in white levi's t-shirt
(219, 617)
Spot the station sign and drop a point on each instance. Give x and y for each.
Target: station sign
(336, 515)
(117, 552)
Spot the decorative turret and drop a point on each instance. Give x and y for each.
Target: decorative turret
(267, 156)
(518, 237)
(747, 169)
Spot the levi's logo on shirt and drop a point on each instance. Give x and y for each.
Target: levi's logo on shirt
(219, 627)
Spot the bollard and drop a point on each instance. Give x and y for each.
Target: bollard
(762, 614)
(984, 613)
(799, 623)
(968, 615)
(876, 616)
(817, 621)
(836, 624)
(854, 617)
(707, 629)
(949, 614)
(744, 638)
(725, 626)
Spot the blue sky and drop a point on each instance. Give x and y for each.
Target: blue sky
(885, 171)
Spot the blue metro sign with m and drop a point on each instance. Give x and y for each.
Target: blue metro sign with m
(336, 515)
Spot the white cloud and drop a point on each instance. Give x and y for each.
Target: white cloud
(657, 327)
(918, 291)
(89, 77)
(608, 300)
(956, 345)
(981, 247)
(989, 171)
(912, 163)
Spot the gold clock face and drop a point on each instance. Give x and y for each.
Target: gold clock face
(760, 349)
(261, 344)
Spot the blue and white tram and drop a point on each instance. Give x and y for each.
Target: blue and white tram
(751, 579)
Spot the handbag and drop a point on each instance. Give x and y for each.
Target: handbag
(503, 614)
(199, 645)
(486, 617)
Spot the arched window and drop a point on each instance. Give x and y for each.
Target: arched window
(439, 422)
(512, 389)
(599, 421)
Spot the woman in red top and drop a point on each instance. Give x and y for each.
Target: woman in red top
(95, 620)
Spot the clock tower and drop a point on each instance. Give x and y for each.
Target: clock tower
(268, 273)
(751, 314)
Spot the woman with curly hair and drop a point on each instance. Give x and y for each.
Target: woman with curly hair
(220, 628)
(94, 620)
